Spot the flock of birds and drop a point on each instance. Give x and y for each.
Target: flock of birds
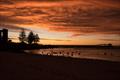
(70, 52)
(79, 53)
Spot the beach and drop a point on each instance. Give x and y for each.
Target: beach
(21, 66)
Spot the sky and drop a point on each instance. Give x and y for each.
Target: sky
(69, 22)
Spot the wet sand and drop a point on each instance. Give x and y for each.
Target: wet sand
(19, 66)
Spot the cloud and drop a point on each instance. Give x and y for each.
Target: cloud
(12, 27)
(6, 2)
(109, 40)
(89, 20)
(54, 39)
(77, 16)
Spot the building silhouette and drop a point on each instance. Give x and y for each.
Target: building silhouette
(4, 36)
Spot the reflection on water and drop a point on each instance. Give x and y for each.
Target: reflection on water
(105, 54)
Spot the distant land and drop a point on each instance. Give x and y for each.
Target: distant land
(23, 46)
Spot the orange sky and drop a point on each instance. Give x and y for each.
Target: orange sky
(68, 22)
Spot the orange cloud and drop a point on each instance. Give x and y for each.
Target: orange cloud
(79, 17)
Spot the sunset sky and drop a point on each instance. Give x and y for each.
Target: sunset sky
(71, 22)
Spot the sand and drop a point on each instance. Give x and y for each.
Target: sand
(19, 66)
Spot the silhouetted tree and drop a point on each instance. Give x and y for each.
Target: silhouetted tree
(36, 40)
(22, 36)
(31, 37)
(109, 44)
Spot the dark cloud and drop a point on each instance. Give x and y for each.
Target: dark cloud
(9, 2)
(109, 1)
(13, 20)
(12, 27)
(109, 40)
(28, 11)
(6, 2)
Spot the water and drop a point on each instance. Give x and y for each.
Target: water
(89, 53)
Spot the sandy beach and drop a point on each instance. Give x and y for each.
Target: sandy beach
(19, 66)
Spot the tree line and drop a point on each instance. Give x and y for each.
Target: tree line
(30, 38)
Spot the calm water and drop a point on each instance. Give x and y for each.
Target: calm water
(105, 54)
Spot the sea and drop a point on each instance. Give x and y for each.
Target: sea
(82, 53)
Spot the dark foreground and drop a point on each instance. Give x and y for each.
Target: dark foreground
(14, 66)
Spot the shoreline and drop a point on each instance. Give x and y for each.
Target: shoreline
(77, 54)
(16, 66)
